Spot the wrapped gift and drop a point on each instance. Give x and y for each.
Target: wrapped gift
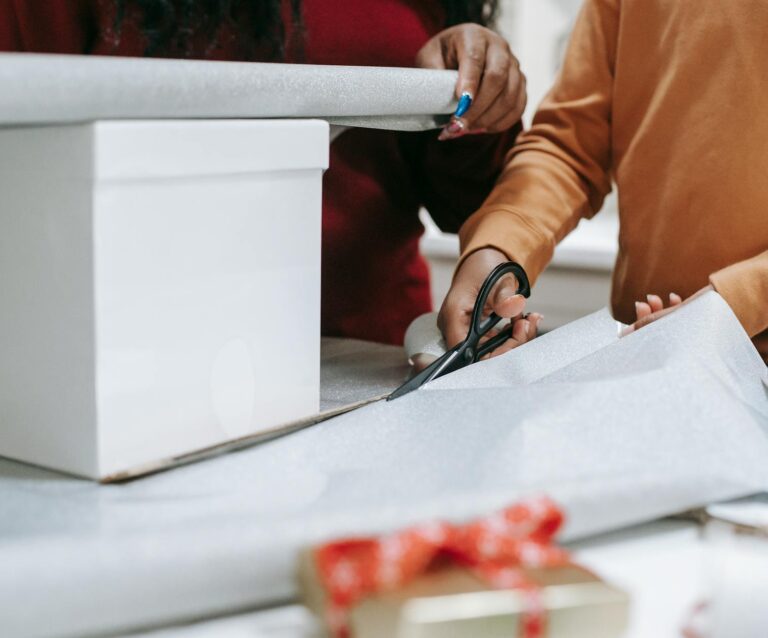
(497, 576)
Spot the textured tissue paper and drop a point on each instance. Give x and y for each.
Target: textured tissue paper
(618, 431)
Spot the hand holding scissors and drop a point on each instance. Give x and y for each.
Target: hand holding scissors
(471, 349)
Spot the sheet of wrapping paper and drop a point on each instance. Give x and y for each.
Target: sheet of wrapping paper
(572, 342)
(41, 88)
(618, 431)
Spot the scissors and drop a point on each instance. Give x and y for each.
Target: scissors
(471, 350)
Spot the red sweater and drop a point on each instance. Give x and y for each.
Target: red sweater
(374, 279)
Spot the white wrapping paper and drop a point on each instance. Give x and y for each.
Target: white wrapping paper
(39, 88)
(618, 431)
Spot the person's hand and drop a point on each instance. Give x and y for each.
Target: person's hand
(488, 72)
(654, 309)
(456, 312)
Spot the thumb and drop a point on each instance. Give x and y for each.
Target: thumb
(506, 301)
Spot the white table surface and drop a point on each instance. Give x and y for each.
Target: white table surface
(662, 565)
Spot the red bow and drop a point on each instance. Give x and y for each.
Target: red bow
(496, 548)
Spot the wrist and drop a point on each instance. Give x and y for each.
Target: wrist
(485, 258)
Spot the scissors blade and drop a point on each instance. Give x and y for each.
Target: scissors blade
(433, 371)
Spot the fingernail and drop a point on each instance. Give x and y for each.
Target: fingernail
(465, 101)
(455, 128)
(527, 328)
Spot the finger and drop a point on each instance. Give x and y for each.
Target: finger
(522, 332)
(457, 127)
(506, 122)
(655, 302)
(493, 86)
(642, 309)
(512, 116)
(505, 347)
(469, 53)
(431, 55)
(651, 318)
(508, 106)
(453, 321)
(646, 320)
(489, 335)
(675, 299)
(506, 301)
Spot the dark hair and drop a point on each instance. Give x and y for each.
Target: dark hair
(169, 25)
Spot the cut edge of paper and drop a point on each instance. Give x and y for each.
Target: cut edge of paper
(262, 436)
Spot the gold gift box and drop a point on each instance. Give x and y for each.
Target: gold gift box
(453, 603)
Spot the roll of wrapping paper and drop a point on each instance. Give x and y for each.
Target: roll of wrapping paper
(41, 88)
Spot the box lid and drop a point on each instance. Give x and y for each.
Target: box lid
(153, 149)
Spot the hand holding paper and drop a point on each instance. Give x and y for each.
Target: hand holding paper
(490, 79)
(653, 309)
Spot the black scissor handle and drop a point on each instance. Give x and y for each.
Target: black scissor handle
(479, 326)
(469, 350)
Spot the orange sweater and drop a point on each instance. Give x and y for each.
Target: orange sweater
(669, 99)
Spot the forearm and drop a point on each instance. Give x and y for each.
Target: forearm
(560, 170)
(536, 203)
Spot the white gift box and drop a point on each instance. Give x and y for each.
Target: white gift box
(159, 288)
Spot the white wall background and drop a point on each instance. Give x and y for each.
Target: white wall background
(538, 32)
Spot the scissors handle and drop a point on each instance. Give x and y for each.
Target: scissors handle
(494, 342)
(469, 351)
(479, 326)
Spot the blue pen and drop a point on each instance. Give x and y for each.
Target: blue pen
(464, 103)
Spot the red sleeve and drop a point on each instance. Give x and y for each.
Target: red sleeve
(10, 39)
(454, 177)
(50, 26)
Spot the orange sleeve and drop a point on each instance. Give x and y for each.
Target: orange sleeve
(560, 169)
(744, 286)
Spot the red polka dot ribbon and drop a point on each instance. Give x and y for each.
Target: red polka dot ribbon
(497, 548)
